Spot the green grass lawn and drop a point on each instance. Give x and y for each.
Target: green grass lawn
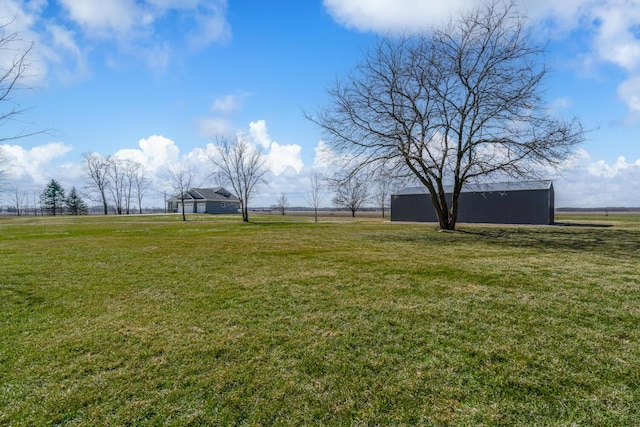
(148, 320)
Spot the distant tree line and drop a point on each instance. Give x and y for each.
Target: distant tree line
(117, 185)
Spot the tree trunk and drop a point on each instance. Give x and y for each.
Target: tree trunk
(453, 215)
(105, 205)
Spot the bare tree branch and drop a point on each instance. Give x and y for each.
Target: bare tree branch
(13, 72)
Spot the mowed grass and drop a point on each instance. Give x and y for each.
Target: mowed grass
(148, 320)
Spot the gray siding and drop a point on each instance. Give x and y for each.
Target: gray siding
(534, 206)
(412, 207)
(216, 200)
(216, 207)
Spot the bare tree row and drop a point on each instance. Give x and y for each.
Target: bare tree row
(120, 181)
(352, 192)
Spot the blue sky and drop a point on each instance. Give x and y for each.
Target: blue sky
(155, 80)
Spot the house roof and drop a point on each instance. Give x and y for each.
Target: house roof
(219, 194)
(485, 187)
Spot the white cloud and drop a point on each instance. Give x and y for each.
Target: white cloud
(135, 27)
(211, 127)
(383, 16)
(105, 18)
(325, 157)
(608, 28)
(210, 25)
(615, 39)
(131, 19)
(629, 93)
(63, 54)
(22, 21)
(220, 125)
(278, 157)
(293, 184)
(158, 154)
(392, 15)
(33, 166)
(284, 157)
(560, 104)
(329, 162)
(36, 5)
(259, 134)
(588, 183)
(155, 153)
(63, 39)
(601, 169)
(227, 104)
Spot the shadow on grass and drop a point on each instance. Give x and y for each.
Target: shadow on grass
(587, 238)
(579, 224)
(600, 241)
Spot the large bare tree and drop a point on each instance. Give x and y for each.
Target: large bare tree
(460, 103)
(240, 165)
(97, 168)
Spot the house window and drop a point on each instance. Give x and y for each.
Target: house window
(222, 204)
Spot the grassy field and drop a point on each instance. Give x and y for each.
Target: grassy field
(148, 320)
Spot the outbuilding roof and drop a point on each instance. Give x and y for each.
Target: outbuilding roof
(212, 194)
(485, 187)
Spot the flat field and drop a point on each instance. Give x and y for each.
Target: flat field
(148, 320)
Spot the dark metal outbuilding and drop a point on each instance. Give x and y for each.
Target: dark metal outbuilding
(530, 202)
